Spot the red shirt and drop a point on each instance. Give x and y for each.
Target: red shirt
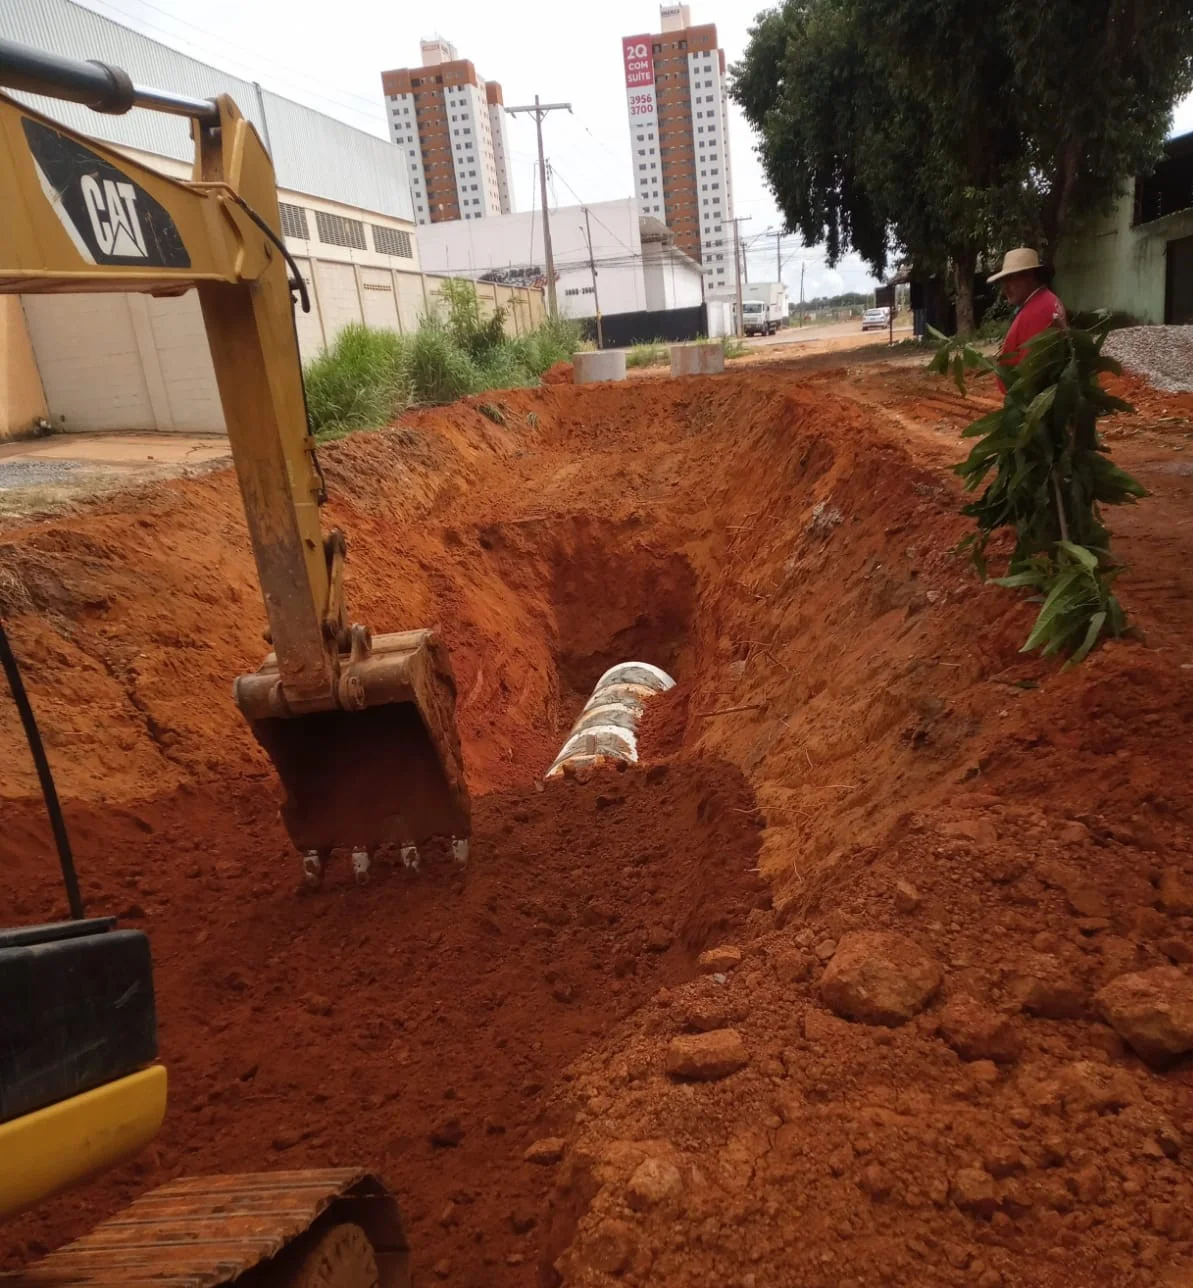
(1040, 310)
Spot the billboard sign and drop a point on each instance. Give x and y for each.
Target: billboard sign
(639, 61)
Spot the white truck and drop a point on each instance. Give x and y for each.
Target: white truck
(764, 307)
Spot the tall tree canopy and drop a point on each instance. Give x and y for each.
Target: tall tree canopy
(941, 129)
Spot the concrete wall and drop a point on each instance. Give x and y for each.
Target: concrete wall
(132, 362)
(1113, 265)
(21, 398)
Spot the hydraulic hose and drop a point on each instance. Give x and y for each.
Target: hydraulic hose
(45, 777)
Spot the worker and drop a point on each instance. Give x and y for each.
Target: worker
(1036, 307)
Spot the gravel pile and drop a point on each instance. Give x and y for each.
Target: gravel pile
(22, 473)
(1162, 355)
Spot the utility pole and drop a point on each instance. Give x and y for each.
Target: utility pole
(737, 258)
(801, 292)
(778, 256)
(596, 299)
(539, 111)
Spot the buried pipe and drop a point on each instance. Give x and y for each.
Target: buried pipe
(608, 725)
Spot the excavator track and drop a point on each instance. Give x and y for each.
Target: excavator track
(203, 1231)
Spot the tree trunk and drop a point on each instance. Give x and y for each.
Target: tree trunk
(964, 263)
(1056, 208)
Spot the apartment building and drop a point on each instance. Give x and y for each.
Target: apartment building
(679, 136)
(450, 125)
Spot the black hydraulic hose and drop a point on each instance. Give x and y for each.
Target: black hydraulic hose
(48, 791)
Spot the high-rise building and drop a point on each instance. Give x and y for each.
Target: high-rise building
(451, 126)
(679, 136)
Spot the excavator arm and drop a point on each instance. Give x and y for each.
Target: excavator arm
(361, 728)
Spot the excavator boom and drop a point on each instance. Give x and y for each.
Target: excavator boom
(361, 728)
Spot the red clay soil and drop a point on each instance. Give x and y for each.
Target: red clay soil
(853, 718)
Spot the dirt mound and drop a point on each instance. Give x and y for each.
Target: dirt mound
(852, 721)
(419, 1025)
(559, 374)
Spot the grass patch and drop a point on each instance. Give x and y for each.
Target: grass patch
(653, 354)
(361, 380)
(367, 377)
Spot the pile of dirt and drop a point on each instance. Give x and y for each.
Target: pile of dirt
(853, 722)
(419, 1025)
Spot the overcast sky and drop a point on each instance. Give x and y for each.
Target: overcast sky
(331, 56)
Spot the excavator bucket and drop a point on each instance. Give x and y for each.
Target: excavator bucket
(383, 767)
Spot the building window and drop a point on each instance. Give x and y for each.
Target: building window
(294, 220)
(392, 241)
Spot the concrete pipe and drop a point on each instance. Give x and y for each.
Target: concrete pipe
(697, 359)
(592, 368)
(608, 725)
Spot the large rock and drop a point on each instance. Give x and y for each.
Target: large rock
(705, 1057)
(1152, 1010)
(879, 978)
(977, 1032)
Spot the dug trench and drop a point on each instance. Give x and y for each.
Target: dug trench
(854, 744)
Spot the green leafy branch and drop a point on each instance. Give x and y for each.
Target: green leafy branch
(1041, 469)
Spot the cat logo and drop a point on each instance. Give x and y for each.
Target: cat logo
(108, 217)
(112, 209)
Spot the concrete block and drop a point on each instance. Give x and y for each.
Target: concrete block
(590, 368)
(697, 359)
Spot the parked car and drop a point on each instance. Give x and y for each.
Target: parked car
(876, 319)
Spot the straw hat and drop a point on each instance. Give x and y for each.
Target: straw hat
(1022, 260)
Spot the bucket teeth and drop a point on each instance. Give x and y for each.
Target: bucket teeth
(312, 869)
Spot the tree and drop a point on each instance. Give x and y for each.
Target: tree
(1101, 80)
(945, 130)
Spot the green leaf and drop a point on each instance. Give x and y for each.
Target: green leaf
(1096, 622)
(1086, 558)
(940, 362)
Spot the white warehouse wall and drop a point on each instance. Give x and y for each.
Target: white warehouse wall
(631, 276)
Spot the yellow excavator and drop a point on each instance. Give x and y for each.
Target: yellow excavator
(361, 728)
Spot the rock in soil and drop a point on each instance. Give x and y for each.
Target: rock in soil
(907, 897)
(654, 1181)
(706, 1057)
(1045, 986)
(879, 978)
(978, 1032)
(546, 1151)
(719, 961)
(973, 1190)
(1152, 1010)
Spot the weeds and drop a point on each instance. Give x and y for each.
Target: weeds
(368, 376)
(653, 354)
(361, 380)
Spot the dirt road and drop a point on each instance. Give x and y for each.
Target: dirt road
(855, 745)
